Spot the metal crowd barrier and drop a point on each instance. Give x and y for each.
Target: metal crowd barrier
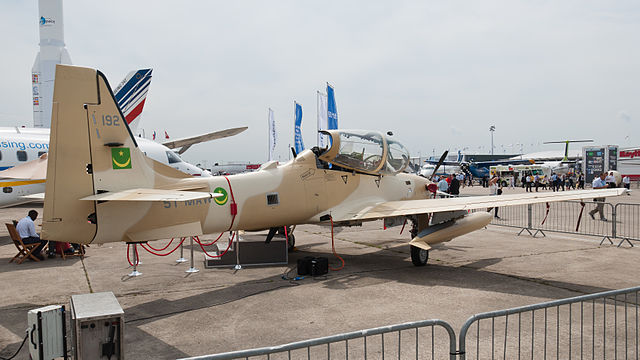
(622, 220)
(402, 341)
(628, 221)
(597, 326)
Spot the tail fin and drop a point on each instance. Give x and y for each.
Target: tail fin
(131, 94)
(91, 150)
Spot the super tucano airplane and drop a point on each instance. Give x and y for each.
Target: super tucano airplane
(101, 188)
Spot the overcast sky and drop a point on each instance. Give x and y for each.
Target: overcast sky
(436, 73)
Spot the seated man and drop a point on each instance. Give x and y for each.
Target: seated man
(27, 231)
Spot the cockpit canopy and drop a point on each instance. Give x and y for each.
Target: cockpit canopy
(365, 151)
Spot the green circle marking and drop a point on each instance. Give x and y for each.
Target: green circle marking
(221, 200)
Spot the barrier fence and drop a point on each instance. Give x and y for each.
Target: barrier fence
(597, 326)
(622, 220)
(427, 339)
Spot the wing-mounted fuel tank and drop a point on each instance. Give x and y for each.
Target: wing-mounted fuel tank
(369, 152)
(449, 225)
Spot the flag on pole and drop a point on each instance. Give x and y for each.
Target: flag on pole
(322, 120)
(332, 111)
(154, 134)
(166, 136)
(272, 134)
(297, 110)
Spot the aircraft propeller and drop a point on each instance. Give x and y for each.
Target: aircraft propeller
(444, 156)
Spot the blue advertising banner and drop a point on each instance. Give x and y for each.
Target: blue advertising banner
(299, 145)
(332, 111)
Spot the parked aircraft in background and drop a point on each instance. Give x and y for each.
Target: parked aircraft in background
(121, 195)
(21, 148)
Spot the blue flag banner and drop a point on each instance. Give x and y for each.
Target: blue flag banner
(298, 123)
(332, 111)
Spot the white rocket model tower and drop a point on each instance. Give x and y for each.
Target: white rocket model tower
(52, 52)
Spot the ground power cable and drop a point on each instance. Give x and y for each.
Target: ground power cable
(26, 336)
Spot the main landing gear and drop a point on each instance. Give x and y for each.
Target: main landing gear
(291, 239)
(419, 257)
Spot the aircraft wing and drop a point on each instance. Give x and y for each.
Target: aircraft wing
(185, 143)
(414, 207)
(151, 195)
(31, 170)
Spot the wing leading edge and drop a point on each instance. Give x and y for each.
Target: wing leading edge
(414, 207)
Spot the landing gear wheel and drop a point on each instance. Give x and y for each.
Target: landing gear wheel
(419, 257)
(291, 242)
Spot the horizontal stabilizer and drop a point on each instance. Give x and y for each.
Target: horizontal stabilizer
(185, 143)
(151, 195)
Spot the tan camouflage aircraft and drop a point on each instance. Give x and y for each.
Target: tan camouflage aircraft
(101, 188)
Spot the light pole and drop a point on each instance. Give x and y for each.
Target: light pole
(492, 128)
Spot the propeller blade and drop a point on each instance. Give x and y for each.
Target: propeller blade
(444, 156)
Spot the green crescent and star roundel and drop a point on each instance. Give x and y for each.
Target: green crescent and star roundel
(121, 158)
(221, 200)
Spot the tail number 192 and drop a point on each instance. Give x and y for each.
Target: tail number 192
(108, 120)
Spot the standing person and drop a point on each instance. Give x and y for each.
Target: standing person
(571, 181)
(599, 183)
(27, 230)
(523, 181)
(536, 181)
(554, 181)
(454, 187)
(443, 186)
(460, 178)
(581, 181)
(610, 180)
(494, 189)
(627, 183)
(563, 180)
(527, 183)
(512, 181)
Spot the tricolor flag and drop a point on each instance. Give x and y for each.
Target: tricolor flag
(154, 134)
(272, 134)
(166, 136)
(297, 110)
(322, 120)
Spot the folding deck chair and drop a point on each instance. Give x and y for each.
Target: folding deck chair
(24, 250)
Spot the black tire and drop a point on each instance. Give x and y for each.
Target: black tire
(419, 257)
(291, 242)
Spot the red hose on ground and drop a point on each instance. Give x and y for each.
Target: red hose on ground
(137, 257)
(164, 248)
(170, 252)
(333, 248)
(128, 259)
(214, 241)
(217, 256)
